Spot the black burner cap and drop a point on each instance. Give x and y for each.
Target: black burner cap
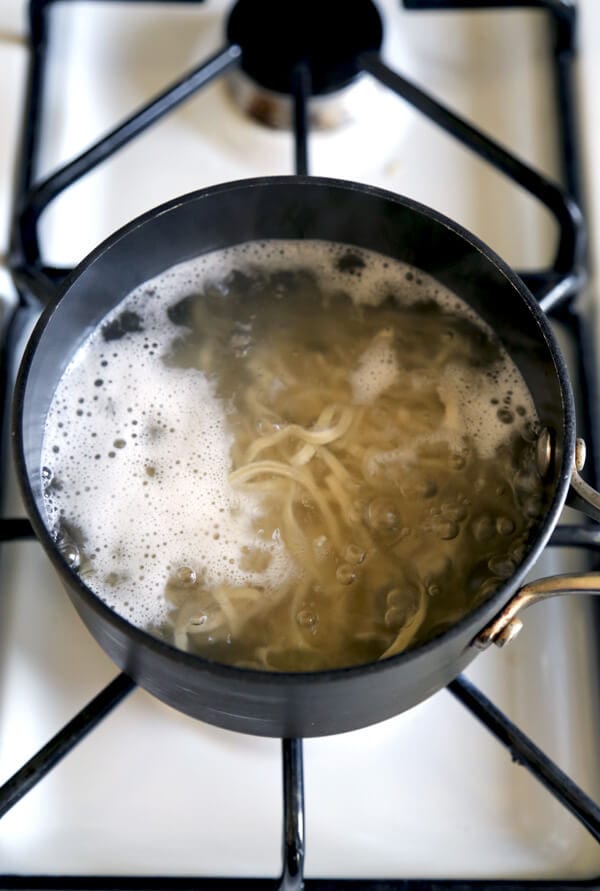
(329, 35)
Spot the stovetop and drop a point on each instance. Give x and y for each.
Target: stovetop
(429, 793)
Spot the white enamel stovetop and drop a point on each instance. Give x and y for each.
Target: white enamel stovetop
(429, 793)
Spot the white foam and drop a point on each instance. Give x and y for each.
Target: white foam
(377, 370)
(485, 408)
(159, 498)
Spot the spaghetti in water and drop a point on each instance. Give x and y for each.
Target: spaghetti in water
(363, 440)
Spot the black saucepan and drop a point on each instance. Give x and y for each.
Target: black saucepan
(319, 703)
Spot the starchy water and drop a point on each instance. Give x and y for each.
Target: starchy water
(292, 455)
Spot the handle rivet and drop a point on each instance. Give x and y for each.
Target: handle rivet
(580, 454)
(544, 451)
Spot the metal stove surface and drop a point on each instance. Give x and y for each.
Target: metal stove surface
(428, 793)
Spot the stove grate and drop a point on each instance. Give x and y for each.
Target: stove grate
(555, 288)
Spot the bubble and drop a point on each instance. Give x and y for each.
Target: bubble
(448, 531)
(306, 618)
(69, 552)
(186, 576)
(345, 574)
(501, 566)
(457, 462)
(532, 507)
(505, 526)
(395, 617)
(505, 415)
(354, 554)
(487, 588)
(402, 606)
(426, 488)
(455, 511)
(483, 528)
(403, 603)
(198, 621)
(383, 516)
(395, 597)
(517, 554)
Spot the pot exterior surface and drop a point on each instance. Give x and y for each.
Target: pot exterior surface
(273, 704)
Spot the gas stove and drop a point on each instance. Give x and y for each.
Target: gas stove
(430, 798)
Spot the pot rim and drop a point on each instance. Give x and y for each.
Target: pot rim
(477, 617)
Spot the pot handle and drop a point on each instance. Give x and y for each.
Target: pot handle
(581, 496)
(507, 624)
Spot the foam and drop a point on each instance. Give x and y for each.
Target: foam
(140, 450)
(484, 407)
(144, 476)
(376, 371)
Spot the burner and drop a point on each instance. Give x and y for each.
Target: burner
(328, 36)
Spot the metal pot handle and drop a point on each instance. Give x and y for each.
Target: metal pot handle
(581, 496)
(507, 624)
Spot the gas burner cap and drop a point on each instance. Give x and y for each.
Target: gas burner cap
(275, 37)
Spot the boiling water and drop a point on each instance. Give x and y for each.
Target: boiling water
(292, 455)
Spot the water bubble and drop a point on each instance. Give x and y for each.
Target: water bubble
(197, 621)
(448, 531)
(505, 415)
(354, 554)
(426, 488)
(532, 507)
(69, 551)
(454, 512)
(47, 475)
(483, 528)
(402, 604)
(395, 617)
(518, 553)
(383, 517)
(433, 590)
(395, 597)
(505, 526)
(306, 618)
(501, 566)
(345, 574)
(526, 482)
(487, 588)
(186, 576)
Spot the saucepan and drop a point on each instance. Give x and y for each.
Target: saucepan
(332, 701)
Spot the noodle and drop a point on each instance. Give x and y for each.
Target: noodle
(348, 470)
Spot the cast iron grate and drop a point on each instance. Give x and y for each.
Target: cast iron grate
(555, 287)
